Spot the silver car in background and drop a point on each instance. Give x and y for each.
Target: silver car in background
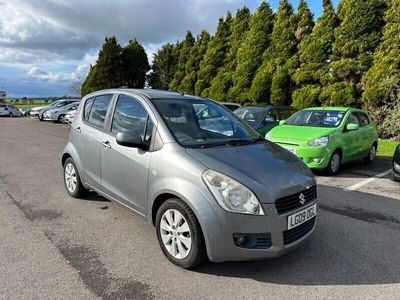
(9, 110)
(59, 114)
(69, 117)
(226, 195)
(37, 112)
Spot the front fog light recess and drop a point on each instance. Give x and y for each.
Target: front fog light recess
(232, 195)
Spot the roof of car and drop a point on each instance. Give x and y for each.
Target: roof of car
(268, 106)
(152, 93)
(329, 108)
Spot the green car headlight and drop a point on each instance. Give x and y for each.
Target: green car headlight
(322, 141)
(232, 195)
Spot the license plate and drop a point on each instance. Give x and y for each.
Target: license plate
(302, 216)
(292, 150)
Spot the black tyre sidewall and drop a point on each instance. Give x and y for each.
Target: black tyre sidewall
(329, 169)
(197, 252)
(367, 158)
(80, 190)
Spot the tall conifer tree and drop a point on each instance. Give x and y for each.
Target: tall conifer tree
(224, 79)
(272, 81)
(214, 57)
(250, 52)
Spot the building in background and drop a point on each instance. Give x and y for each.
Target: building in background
(3, 96)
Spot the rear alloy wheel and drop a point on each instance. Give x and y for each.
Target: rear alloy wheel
(371, 154)
(72, 180)
(334, 163)
(179, 234)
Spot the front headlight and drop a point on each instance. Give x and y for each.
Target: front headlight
(267, 136)
(322, 141)
(232, 195)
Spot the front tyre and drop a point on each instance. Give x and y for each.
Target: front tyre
(179, 234)
(11, 114)
(334, 163)
(371, 154)
(72, 180)
(61, 119)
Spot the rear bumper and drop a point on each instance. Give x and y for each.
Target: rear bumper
(220, 226)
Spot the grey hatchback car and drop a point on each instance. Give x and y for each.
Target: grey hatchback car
(228, 195)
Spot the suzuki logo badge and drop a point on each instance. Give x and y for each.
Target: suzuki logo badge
(302, 199)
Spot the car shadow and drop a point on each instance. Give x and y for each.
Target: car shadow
(93, 196)
(350, 246)
(359, 169)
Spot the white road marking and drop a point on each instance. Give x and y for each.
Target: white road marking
(366, 181)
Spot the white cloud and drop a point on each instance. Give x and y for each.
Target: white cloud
(45, 75)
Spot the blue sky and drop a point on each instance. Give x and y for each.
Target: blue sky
(45, 44)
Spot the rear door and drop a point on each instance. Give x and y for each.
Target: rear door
(86, 136)
(124, 170)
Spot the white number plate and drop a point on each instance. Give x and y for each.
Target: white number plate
(302, 216)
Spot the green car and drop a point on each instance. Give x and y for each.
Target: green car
(325, 137)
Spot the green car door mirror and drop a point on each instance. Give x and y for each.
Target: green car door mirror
(281, 122)
(352, 126)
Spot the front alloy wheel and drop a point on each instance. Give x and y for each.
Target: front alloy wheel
(72, 180)
(179, 234)
(334, 163)
(175, 234)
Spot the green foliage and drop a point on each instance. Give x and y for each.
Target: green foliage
(339, 94)
(184, 55)
(383, 79)
(135, 65)
(316, 48)
(305, 22)
(306, 96)
(214, 57)
(355, 40)
(193, 63)
(249, 54)
(278, 58)
(221, 84)
(116, 67)
(165, 62)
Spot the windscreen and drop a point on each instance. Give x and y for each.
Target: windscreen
(316, 118)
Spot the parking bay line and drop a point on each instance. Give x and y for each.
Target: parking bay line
(366, 181)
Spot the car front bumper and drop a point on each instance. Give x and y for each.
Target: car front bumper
(313, 157)
(220, 227)
(34, 114)
(49, 117)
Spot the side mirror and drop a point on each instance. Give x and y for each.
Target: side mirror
(130, 139)
(352, 126)
(281, 122)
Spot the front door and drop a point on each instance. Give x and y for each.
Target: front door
(352, 138)
(124, 170)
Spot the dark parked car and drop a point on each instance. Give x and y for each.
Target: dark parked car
(231, 105)
(264, 118)
(396, 164)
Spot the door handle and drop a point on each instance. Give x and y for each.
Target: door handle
(106, 144)
(78, 129)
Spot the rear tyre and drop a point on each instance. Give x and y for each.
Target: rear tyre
(179, 234)
(72, 180)
(371, 154)
(334, 163)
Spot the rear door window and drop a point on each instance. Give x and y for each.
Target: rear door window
(87, 108)
(364, 121)
(99, 109)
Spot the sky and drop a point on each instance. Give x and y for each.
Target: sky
(45, 44)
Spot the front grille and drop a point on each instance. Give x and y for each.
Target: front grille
(294, 234)
(291, 202)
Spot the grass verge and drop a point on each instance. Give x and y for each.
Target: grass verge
(386, 149)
